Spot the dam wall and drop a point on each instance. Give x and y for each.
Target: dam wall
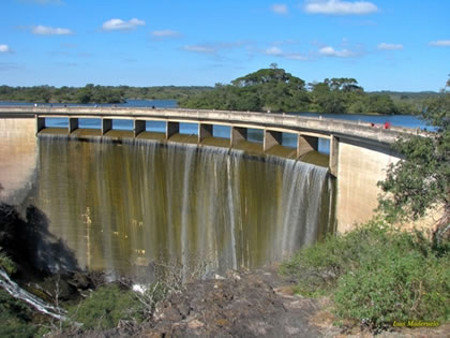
(359, 170)
(359, 154)
(18, 155)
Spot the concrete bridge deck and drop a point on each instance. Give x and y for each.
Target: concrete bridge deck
(324, 128)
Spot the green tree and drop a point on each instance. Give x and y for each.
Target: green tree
(421, 180)
(381, 104)
(269, 89)
(325, 99)
(84, 95)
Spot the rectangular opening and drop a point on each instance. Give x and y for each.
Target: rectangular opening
(86, 123)
(188, 128)
(57, 122)
(289, 140)
(155, 126)
(221, 131)
(122, 125)
(255, 135)
(324, 146)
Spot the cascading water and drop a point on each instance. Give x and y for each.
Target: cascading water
(123, 206)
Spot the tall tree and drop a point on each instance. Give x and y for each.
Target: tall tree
(421, 180)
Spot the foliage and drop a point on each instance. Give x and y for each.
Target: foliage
(7, 264)
(378, 275)
(268, 89)
(273, 89)
(421, 180)
(94, 94)
(15, 317)
(398, 283)
(105, 307)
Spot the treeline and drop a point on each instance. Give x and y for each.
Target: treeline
(271, 89)
(275, 90)
(95, 94)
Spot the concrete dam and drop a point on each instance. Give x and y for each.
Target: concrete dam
(128, 198)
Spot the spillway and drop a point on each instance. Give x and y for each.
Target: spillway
(122, 207)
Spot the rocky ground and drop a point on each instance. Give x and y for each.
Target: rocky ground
(238, 306)
(256, 304)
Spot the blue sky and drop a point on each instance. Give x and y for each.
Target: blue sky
(401, 45)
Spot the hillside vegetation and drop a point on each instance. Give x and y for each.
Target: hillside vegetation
(270, 89)
(275, 90)
(95, 94)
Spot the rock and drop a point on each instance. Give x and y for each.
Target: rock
(234, 307)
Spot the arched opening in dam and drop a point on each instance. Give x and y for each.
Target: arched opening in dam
(123, 206)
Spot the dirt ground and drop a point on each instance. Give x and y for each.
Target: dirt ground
(256, 304)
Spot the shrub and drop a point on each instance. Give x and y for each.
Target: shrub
(7, 264)
(317, 268)
(15, 317)
(377, 274)
(396, 285)
(106, 307)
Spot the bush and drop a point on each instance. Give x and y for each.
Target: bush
(106, 307)
(395, 285)
(15, 317)
(7, 264)
(317, 268)
(377, 274)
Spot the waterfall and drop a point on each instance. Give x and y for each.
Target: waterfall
(122, 207)
(17, 292)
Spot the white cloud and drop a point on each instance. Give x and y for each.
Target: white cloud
(166, 33)
(215, 48)
(273, 51)
(5, 49)
(339, 7)
(119, 24)
(279, 8)
(331, 52)
(440, 43)
(45, 30)
(276, 51)
(200, 49)
(296, 56)
(389, 46)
